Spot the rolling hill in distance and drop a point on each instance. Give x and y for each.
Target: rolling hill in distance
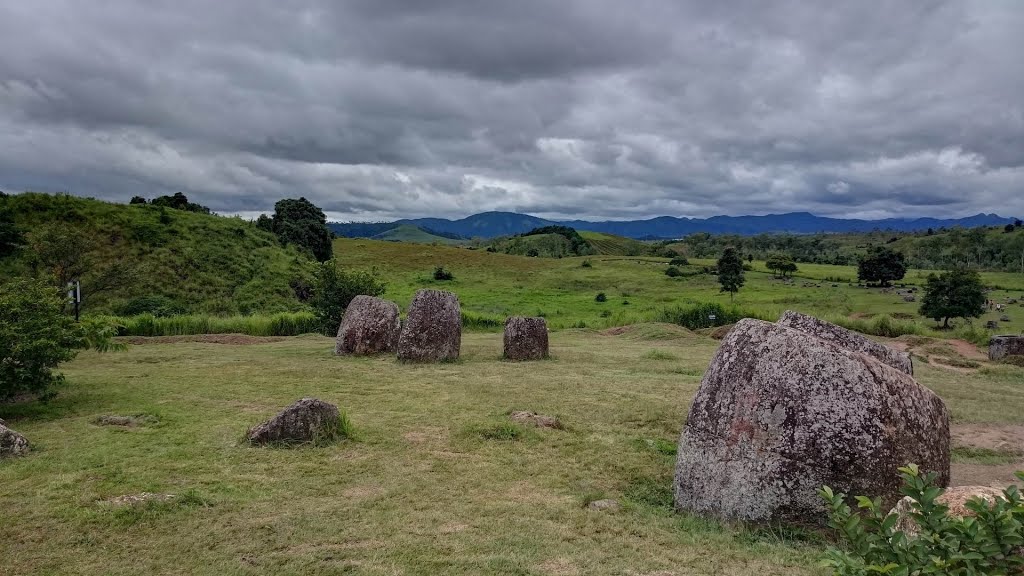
(494, 224)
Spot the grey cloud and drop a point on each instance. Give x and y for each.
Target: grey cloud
(578, 109)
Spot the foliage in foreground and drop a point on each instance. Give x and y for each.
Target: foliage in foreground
(36, 336)
(988, 543)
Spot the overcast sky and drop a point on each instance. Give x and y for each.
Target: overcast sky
(595, 109)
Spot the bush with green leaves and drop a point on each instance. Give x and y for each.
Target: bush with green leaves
(600, 297)
(679, 261)
(988, 543)
(36, 336)
(441, 275)
(672, 272)
(334, 289)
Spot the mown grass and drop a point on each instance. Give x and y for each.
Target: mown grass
(439, 481)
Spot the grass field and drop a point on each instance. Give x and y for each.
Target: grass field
(422, 490)
(563, 290)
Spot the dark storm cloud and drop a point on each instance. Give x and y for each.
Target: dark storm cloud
(583, 109)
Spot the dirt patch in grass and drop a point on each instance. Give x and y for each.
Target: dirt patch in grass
(233, 339)
(616, 331)
(134, 499)
(995, 442)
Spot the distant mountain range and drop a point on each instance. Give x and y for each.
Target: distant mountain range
(492, 224)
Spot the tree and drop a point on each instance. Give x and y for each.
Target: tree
(137, 200)
(66, 253)
(1009, 228)
(957, 293)
(1017, 223)
(265, 222)
(10, 236)
(334, 289)
(730, 271)
(781, 264)
(299, 222)
(179, 202)
(36, 336)
(881, 265)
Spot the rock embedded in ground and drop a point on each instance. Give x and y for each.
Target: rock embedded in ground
(308, 420)
(12, 443)
(433, 328)
(526, 338)
(781, 412)
(955, 498)
(135, 499)
(370, 326)
(1000, 347)
(538, 420)
(848, 339)
(606, 505)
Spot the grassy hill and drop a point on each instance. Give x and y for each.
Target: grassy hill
(184, 261)
(611, 245)
(410, 233)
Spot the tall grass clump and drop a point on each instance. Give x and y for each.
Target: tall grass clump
(480, 322)
(281, 324)
(700, 315)
(881, 325)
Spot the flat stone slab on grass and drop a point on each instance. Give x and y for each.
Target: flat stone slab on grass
(370, 326)
(307, 421)
(781, 412)
(433, 328)
(848, 339)
(538, 420)
(526, 338)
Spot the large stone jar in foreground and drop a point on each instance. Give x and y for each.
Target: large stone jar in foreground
(370, 326)
(781, 412)
(433, 328)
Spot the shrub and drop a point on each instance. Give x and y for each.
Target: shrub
(586, 264)
(672, 272)
(679, 261)
(987, 543)
(36, 336)
(699, 315)
(334, 288)
(441, 274)
(600, 297)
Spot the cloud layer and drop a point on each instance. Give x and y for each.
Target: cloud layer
(593, 109)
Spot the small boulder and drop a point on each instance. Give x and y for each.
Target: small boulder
(1004, 318)
(992, 325)
(909, 298)
(955, 498)
(1000, 347)
(433, 328)
(526, 338)
(847, 339)
(370, 326)
(11, 443)
(308, 420)
(781, 412)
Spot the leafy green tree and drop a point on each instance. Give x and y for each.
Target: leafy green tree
(179, 202)
(881, 265)
(65, 253)
(781, 264)
(730, 271)
(300, 222)
(137, 200)
(334, 289)
(957, 293)
(10, 236)
(36, 336)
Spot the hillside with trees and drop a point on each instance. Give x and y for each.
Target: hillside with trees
(151, 257)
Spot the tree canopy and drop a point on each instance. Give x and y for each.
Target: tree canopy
(881, 265)
(178, 201)
(300, 222)
(957, 293)
(781, 264)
